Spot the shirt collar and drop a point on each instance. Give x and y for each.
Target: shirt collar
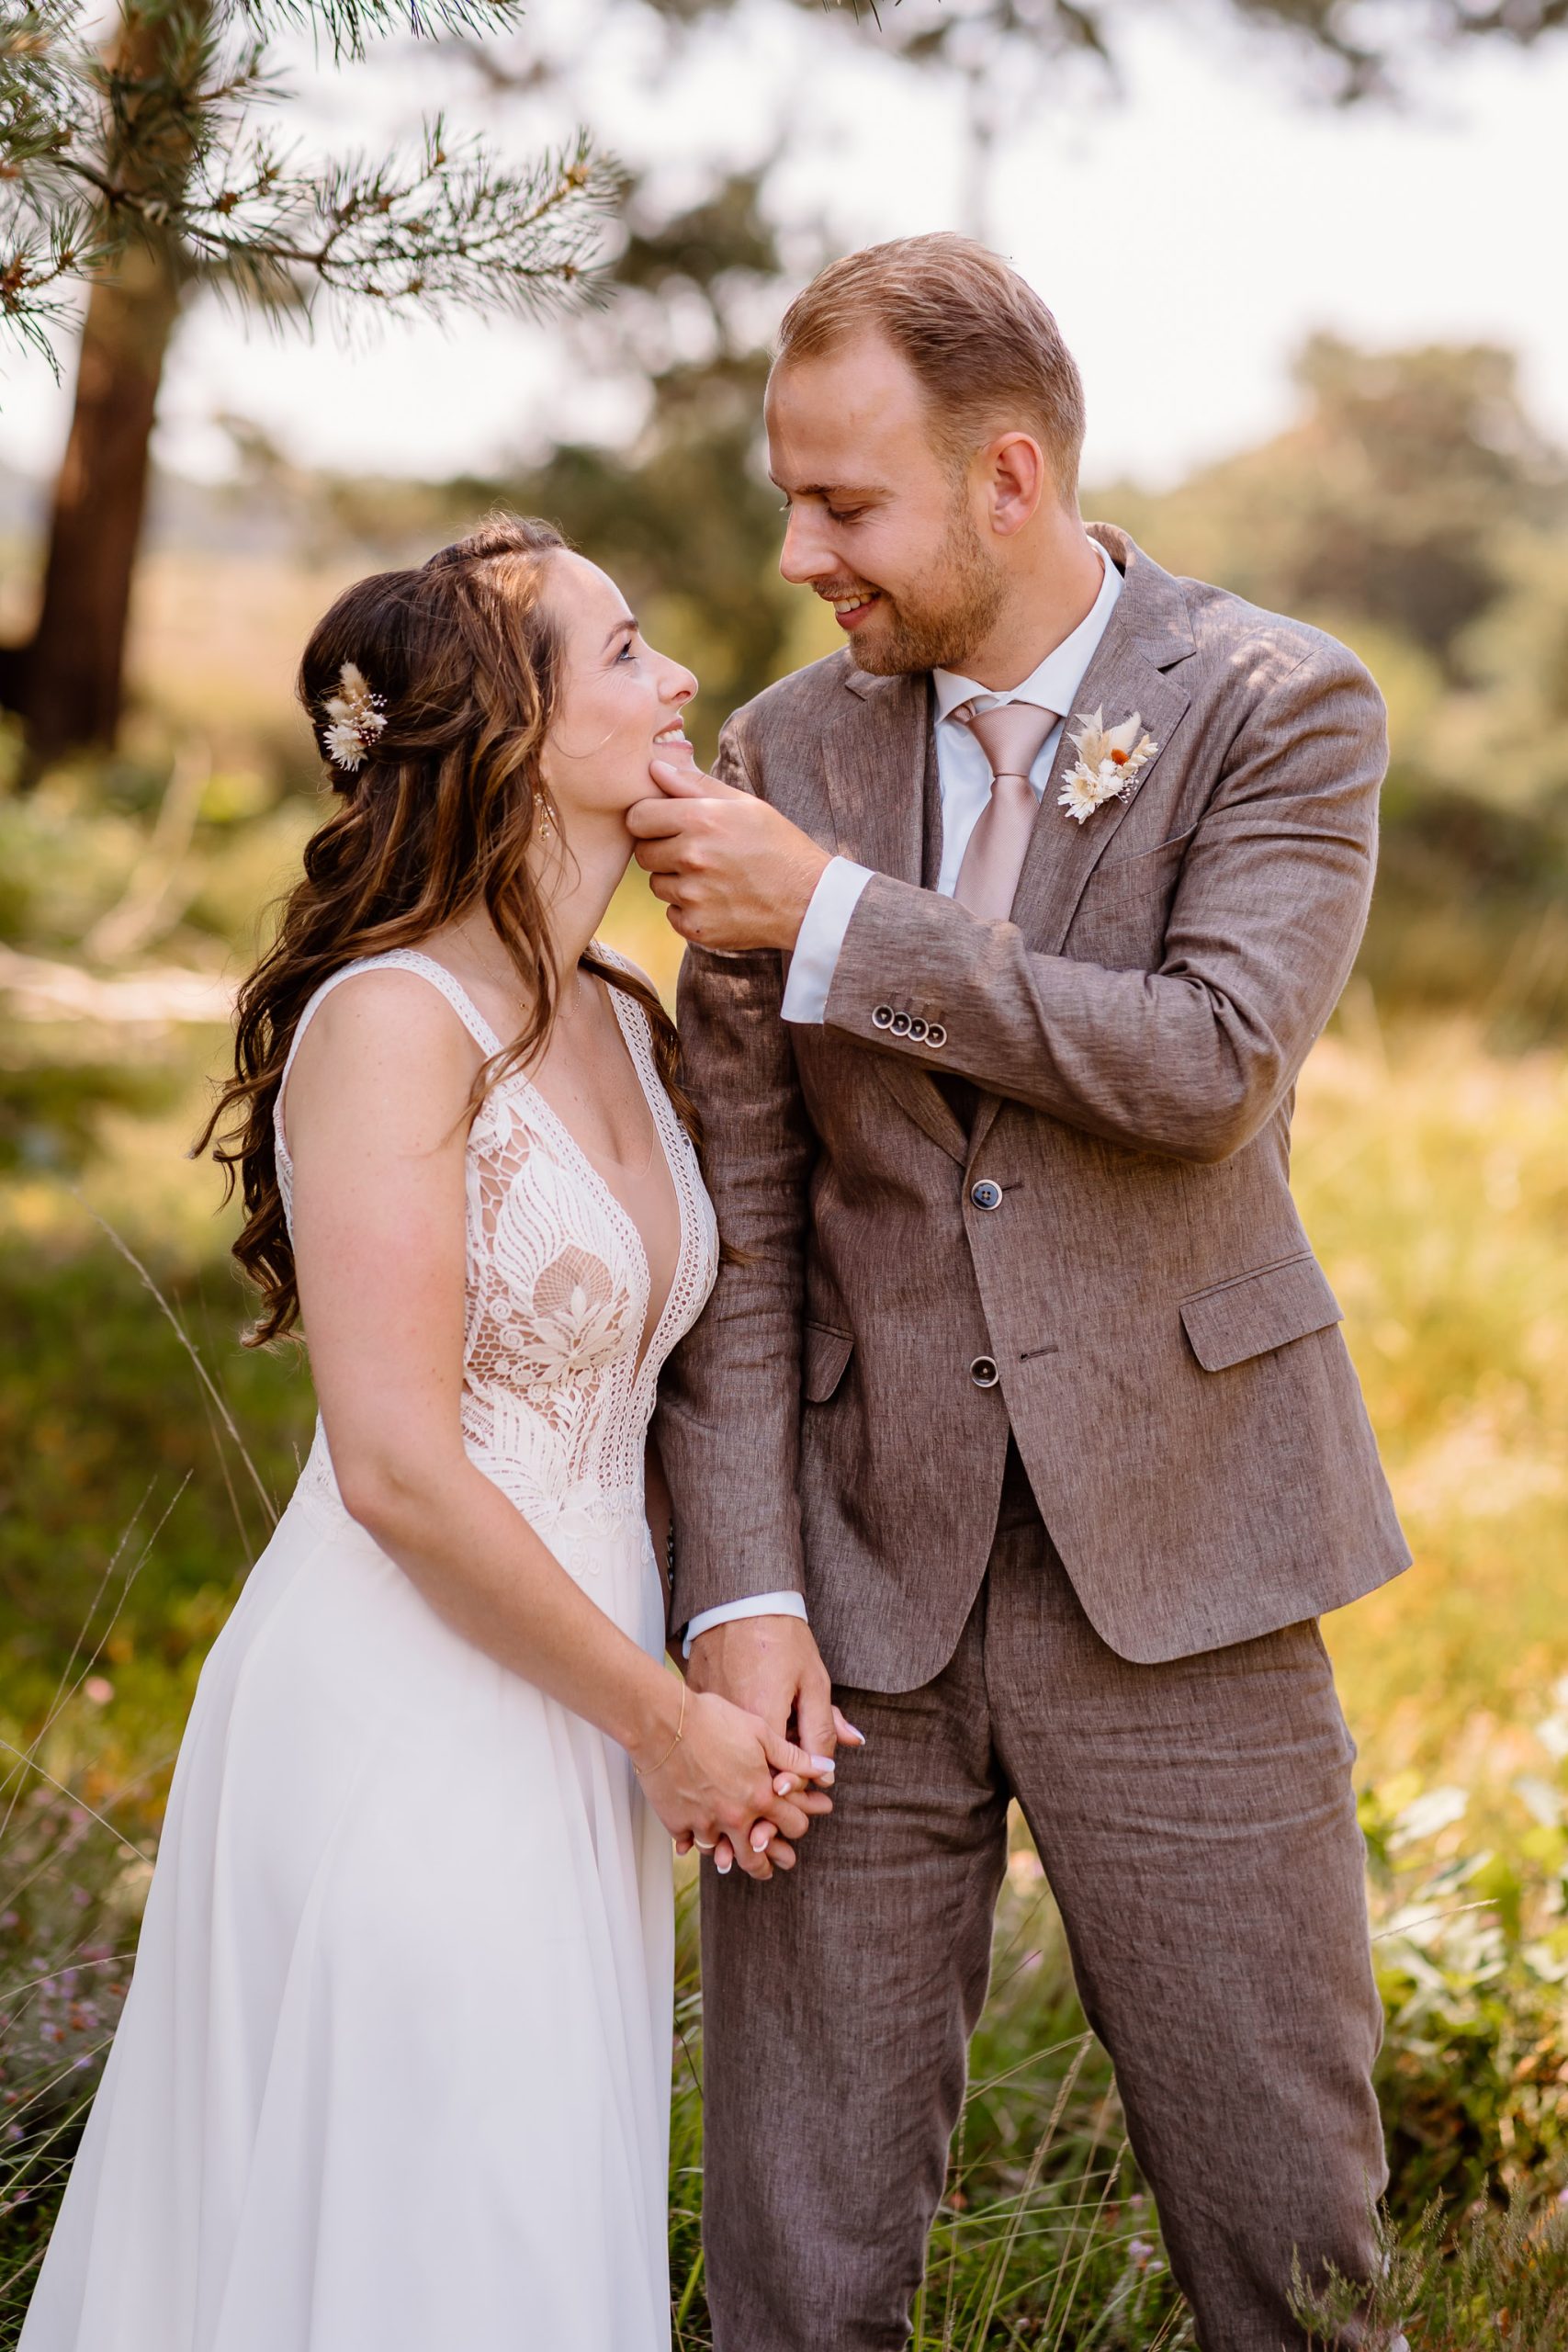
(1055, 684)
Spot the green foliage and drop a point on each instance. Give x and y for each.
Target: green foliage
(1396, 499)
(71, 1895)
(108, 1434)
(152, 144)
(1472, 1966)
(1505, 2282)
(52, 1113)
(1417, 512)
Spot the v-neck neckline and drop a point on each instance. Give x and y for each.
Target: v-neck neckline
(486, 1037)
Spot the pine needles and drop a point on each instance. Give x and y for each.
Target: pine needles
(155, 142)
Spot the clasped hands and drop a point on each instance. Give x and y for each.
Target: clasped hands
(732, 872)
(771, 1668)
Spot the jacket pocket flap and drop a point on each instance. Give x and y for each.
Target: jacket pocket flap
(827, 1353)
(1254, 1311)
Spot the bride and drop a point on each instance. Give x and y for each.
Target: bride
(394, 2069)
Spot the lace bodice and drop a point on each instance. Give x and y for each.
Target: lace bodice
(555, 1406)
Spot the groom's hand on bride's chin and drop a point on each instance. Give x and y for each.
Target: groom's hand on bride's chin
(734, 874)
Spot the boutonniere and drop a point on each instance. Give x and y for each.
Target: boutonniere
(1108, 760)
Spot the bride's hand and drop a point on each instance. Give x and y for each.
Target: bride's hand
(730, 1778)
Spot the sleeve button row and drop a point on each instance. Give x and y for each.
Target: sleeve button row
(910, 1026)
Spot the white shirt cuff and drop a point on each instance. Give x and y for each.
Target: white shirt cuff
(822, 930)
(762, 1604)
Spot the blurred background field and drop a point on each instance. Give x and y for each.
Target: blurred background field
(1409, 493)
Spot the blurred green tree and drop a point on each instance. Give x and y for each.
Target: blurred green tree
(1396, 497)
(140, 168)
(684, 518)
(1417, 511)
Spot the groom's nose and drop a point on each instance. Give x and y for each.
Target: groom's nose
(807, 554)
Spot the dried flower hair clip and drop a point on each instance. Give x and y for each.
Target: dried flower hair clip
(356, 716)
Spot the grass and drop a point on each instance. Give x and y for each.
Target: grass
(1432, 1178)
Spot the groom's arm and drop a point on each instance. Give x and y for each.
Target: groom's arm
(1192, 1060)
(728, 1419)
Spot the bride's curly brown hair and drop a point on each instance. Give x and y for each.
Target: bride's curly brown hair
(465, 659)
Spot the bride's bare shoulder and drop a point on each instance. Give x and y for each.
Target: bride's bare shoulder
(386, 1047)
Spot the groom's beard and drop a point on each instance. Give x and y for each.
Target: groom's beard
(953, 616)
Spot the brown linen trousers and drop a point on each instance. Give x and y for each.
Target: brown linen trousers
(1091, 1309)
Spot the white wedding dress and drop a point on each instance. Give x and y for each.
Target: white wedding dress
(393, 2075)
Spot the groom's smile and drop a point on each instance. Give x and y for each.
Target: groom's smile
(850, 606)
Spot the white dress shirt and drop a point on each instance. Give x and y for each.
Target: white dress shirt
(963, 781)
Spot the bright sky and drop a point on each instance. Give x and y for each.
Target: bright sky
(1189, 234)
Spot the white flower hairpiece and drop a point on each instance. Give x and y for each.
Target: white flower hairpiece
(1108, 760)
(358, 716)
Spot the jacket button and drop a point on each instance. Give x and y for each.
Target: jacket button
(900, 1025)
(917, 1029)
(936, 1035)
(986, 1195)
(882, 1017)
(983, 1372)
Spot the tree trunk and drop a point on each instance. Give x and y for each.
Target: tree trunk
(68, 682)
(72, 673)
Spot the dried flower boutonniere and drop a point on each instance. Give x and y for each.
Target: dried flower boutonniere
(1108, 760)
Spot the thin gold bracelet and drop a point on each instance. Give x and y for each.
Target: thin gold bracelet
(673, 1745)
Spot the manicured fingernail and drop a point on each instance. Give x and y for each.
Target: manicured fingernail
(823, 1764)
(857, 1736)
(722, 1868)
(782, 1784)
(760, 1839)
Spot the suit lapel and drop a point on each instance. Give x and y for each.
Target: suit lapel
(1062, 853)
(880, 760)
(874, 757)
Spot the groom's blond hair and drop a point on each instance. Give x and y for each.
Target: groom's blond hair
(989, 355)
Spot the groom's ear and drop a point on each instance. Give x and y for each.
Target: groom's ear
(1017, 478)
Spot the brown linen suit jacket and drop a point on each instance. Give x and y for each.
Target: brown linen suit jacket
(1166, 1348)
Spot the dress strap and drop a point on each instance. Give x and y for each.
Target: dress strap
(399, 959)
(395, 959)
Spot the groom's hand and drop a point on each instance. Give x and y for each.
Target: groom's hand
(733, 873)
(772, 1666)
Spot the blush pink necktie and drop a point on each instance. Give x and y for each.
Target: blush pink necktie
(1011, 735)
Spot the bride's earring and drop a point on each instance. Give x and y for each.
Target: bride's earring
(542, 824)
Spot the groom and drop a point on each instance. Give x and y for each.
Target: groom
(1021, 1410)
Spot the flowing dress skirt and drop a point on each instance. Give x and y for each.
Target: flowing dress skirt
(393, 2074)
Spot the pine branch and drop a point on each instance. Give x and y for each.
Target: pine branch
(444, 228)
(351, 25)
(41, 262)
(48, 233)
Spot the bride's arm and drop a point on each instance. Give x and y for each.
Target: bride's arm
(376, 1121)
